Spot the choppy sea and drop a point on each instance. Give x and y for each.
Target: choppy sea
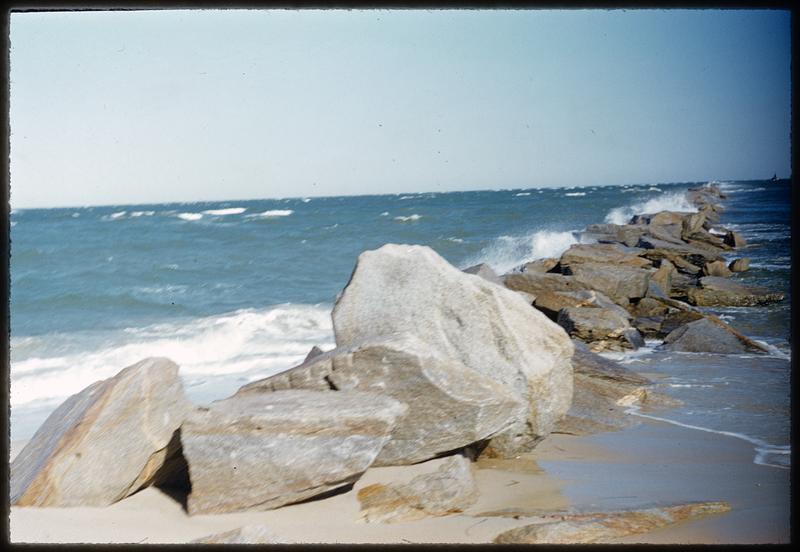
(238, 290)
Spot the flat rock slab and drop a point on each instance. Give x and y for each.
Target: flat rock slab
(722, 292)
(593, 324)
(485, 271)
(449, 489)
(104, 443)
(603, 526)
(620, 283)
(660, 249)
(703, 336)
(262, 451)
(412, 290)
(537, 283)
(604, 253)
(450, 405)
(248, 534)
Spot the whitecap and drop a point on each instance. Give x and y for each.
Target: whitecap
(306, 200)
(223, 212)
(409, 218)
(143, 213)
(508, 252)
(117, 215)
(190, 216)
(385, 214)
(455, 240)
(523, 194)
(675, 201)
(272, 213)
(575, 194)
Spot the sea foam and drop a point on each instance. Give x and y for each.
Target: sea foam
(272, 213)
(675, 201)
(508, 252)
(223, 212)
(190, 216)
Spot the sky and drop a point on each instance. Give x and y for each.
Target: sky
(161, 106)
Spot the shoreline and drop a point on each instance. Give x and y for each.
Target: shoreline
(648, 464)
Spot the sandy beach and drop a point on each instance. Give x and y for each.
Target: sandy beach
(649, 464)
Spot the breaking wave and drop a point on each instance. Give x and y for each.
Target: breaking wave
(675, 201)
(509, 252)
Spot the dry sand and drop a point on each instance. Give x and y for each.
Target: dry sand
(650, 464)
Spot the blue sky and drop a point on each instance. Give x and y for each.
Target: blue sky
(146, 107)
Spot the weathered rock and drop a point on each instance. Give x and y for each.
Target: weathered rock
(692, 224)
(712, 213)
(648, 326)
(739, 265)
(625, 234)
(662, 218)
(703, 336)
(721, 292)
(263, 450)
(106, 442)
(702, 238)
(670, 233)
(596, 324)
(681, 283)
(675, 319)
(537, 283)
(599, 384)
(717, 268)
(660, 249)
(540, 265)
(401, 289)
(603, 526)
(603, 253)
(448, 490)
(313, 353)
(553, 301)
(450, 405)
(485, 271)
(734, 239)
(663, 276)
(248, 534)
(620, 283)
(648, 307)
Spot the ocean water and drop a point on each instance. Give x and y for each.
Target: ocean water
(235, 291)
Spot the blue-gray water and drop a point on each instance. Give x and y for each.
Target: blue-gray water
(233, 291)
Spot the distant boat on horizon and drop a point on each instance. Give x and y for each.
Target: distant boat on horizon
(774, 177)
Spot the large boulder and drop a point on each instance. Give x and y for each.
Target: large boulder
(607, 328)
(450, 406)
(264, 450)
(106, 442)
(739, 265)
(659, 249)
(703, 336)
(536, 283)
(723, 292)
(625, 234)
(717, 268)
(603, 253)
(620, 283)
(551, 302)
(692, 224)
(603, 526)
(449, 489)
(663, 276)
(540, 265)
(408, 289)
(662, 218)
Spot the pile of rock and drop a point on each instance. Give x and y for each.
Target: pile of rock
(642, 279)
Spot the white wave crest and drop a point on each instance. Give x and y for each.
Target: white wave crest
(385, 214)
(675, 201)
(114, 216)
(306, 200)
(575, 194)
(509, 252)
(190, 216)
(253, 342)
(142, 213)
(223, 212)
(523, 194)
(272, 213)
(409, 218)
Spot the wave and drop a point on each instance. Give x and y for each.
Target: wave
(272, 213)
(142, 213)
(523, 194)
(575, 194)
(190, 216)
(675, 201)
(305, 199)
(762, 448)
(223, 212)
(115, 216)
(509, 252)
(254, 342)
(409, 218)
(385, 214)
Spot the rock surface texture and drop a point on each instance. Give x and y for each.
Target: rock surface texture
(411, 290)
(703, 336)
(261, 451)
(448, 490)
(602, 526)
(722, 292)
(104, 443)
(450, 405)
